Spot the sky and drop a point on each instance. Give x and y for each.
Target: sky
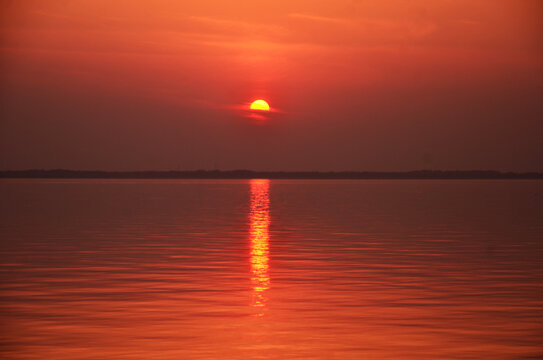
(366, 85)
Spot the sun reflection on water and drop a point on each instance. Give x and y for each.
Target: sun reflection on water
(259, 236)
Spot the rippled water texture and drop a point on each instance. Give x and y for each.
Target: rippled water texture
(96, 269)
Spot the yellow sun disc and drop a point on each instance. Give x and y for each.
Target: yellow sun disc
(260, 105)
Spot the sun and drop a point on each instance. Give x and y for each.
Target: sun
(260, 105)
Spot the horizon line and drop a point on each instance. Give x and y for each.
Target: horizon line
(249, 174)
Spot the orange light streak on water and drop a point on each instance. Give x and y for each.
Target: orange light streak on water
(259, 235)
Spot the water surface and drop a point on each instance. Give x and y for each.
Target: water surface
(398, 269)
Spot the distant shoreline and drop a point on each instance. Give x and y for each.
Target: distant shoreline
(248, 174)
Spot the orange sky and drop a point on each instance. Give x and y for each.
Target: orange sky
(357, 85)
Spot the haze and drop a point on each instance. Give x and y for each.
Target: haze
(358, 85)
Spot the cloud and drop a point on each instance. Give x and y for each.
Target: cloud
(326, 19)
(237, 27)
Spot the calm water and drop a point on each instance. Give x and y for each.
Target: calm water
(98, 269)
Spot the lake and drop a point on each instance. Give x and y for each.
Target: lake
(271, 269)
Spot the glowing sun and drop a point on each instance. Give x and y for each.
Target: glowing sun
(260, 105)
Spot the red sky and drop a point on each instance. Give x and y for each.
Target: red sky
(355, 85)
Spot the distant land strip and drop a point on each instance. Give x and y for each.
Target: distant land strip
(248, 174)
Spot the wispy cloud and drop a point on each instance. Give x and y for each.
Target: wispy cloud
(326, 19)
(237, 25)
